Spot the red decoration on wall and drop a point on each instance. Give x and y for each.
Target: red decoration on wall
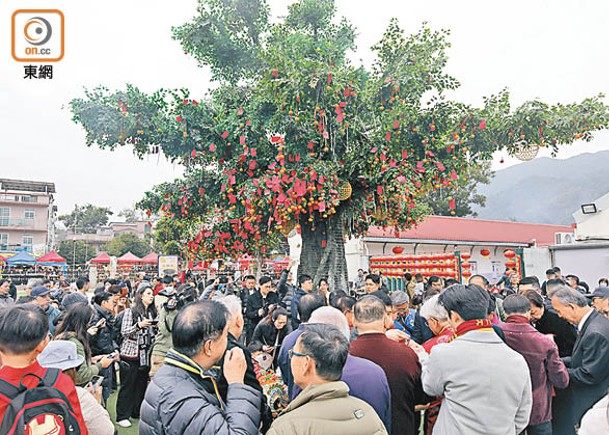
(485, 252)
(466, 274)
(466, 265)
(466, 256)
(510, 264)
(509, 254)
(397, 250)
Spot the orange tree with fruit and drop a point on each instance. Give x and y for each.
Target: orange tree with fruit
(294, 136)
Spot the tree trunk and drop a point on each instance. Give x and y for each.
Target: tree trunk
(327, 261)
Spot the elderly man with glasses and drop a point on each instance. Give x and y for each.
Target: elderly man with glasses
(324, 405)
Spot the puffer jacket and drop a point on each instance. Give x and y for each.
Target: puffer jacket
(328, 409)
(181, 399)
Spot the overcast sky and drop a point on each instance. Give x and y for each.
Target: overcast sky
(554, 50)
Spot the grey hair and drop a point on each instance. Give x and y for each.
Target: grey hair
(331, 316)
(233, 306)
(399, 298)
(34, 282)
(433, 308)
(328, 347)
(369, 309)
(567, 296)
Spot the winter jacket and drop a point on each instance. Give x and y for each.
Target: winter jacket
(163, 341)
(86, 370)
(294, 304)
(181, 399)
(286, 292)
(328, 409)
(52, 313)
(268, 335)
(479, 399)
(546, 368)
(255, 302)
(102, 343)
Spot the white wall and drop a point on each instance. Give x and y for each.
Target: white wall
(537, 261)
(593, 226)
(589, 264)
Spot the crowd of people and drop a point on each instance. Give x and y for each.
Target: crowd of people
(285, 357)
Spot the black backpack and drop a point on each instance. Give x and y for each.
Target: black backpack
(42, 410)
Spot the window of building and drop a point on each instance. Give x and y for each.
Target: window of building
(28, 242)
(29, 199)
(30, 214)
(5, 214)
(3, 242)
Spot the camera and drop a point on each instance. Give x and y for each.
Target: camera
(180, 299)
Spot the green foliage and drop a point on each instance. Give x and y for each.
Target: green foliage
(464, 196)
(293, 125)
(75, 252)
(87, 218)
(127, 242)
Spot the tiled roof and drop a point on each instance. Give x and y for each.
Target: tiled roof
(444, 228)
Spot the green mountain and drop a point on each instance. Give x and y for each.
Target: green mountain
(546, 190)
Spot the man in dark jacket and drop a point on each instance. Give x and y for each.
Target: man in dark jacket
(547, 322)
(541, 354)
(305, 285)
(588, 366)
(183, 397)
(258, 305)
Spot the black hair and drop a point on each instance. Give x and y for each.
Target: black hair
(418, 276)
(196, 324)
(264, 279)
(329, 349)
(554, 282)
(76, 320)
(335, 296)
(309, 303)
(304, 278)
(102, 297)
(450, 281)
(470, 302)
(482, 277)
(22, 328)
(369, 309)
(575, 277)
(345, 303)
(534, 298)
(383, 297)
(408, 276)
(114, 290)
(81, 281)
(584, 285)
(374, 278)
(167, 279)
(433, 279)
(323, 280)
(138, 307)
(246, 277)
(605, 280)
(556, 269)
(516, 304)
(530, 280)
(492, 304)
(279, 311)
(550, 271)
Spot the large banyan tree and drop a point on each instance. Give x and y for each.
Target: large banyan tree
(294, 136)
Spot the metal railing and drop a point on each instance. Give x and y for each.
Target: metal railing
(8, 222)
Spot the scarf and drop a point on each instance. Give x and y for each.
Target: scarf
(473, 325)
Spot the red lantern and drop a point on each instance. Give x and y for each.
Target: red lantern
(397, 250)
(510, 264)
(466, 256)
(466, 265)
(485, 252)
(466, 273)
(509, 254)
